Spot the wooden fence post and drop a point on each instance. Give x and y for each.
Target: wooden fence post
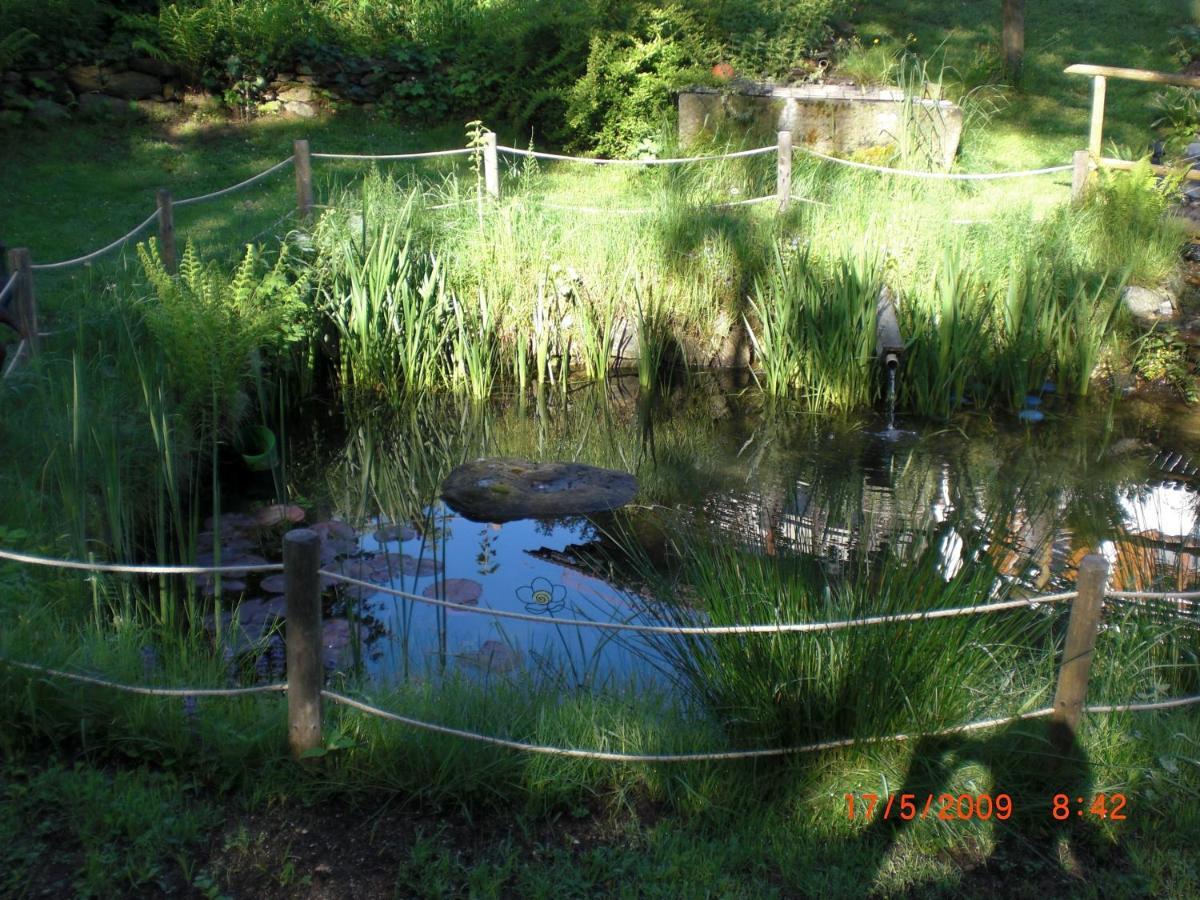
(1079, 176)
(491, 167)
(1096, 133)
(302, 635)
(24, 301)
(166, 231)
(783, 169)
(1071, 692)
(302, 160)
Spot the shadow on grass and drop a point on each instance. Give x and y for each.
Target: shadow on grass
(1033, 850)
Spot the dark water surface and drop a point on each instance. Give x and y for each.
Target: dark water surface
(714, 463)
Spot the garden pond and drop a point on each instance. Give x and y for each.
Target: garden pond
(715, 463)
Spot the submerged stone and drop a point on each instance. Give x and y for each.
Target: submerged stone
(503, 490)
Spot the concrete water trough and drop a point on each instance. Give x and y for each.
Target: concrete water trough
(829, 118)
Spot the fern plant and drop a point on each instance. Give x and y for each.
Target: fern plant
(208, 325)
(14, 46)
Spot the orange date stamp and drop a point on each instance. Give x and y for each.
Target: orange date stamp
(947, 807)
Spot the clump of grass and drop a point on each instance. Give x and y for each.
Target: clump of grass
(857, 682)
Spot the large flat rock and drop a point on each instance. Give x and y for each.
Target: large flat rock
(503, 490)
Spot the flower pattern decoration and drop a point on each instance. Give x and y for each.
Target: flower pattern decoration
(542, 596)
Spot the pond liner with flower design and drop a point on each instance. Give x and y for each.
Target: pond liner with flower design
(542, 596)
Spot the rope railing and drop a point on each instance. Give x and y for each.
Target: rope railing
(720, 756)
(132, 569)
(16, 359)
(584, 753)
(8, 287)
(252, 180)
(95, 254)
(490, 150)
(769, 628)
(146, 690)
(936, 176)
(695, 630)
(597, 161)
(1153, 595)
(149, 220)
(427, 154)
(306, 684)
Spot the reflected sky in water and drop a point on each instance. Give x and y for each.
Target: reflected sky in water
(712, 462)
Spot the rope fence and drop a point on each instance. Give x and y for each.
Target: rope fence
(302, 159)
(937, 176)
(8, 288)
(428, 154)
(146, 690)
(769, 628)
(589, 754)
(595, 161)
(305, 668)
(129, 569)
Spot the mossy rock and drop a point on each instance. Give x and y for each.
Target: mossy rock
(503, 490)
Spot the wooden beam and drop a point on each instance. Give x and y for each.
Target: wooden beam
(302, 638)
(1146, 75)
(1125, 165)
(1096, 131)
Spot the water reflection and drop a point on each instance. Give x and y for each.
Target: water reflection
(713, 461)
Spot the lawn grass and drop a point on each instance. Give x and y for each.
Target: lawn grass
(1046, 117)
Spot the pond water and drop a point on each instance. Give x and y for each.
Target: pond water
(713, 463)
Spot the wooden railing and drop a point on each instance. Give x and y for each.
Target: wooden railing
(1093, 157)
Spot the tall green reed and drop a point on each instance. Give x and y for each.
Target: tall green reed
(815, 335)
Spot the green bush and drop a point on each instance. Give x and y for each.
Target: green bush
(618, 106)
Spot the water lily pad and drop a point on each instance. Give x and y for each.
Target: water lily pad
(383, 568)
(266, 610)
(354, 568)
(389, 533)
(492, 656)
(277, 514)
(334, 530)
(419, 568)
(208, 585)
(274, 584)
(463, 591)
(335, 636)
(503, 490)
